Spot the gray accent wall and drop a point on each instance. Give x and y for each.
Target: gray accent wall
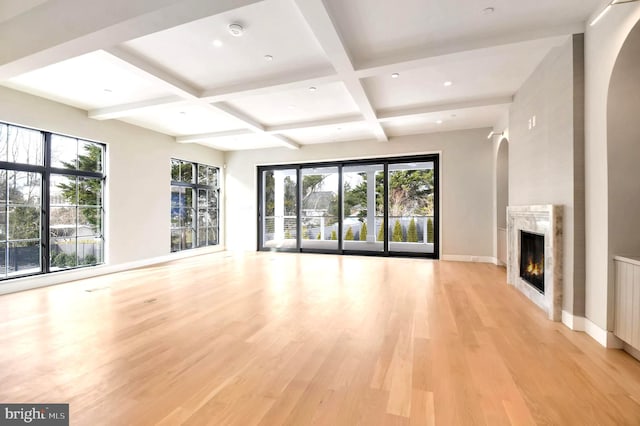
(546, 153)
(466, 177)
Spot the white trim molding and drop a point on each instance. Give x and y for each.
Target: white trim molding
(574, 322)
(604, 337)
(468, 258)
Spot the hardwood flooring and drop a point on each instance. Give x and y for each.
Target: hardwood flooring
(288, 339)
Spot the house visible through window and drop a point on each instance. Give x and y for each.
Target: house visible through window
(194, 205)
(51, 202)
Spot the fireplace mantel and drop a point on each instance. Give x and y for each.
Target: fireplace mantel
(545, 220)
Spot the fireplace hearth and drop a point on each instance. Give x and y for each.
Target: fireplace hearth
(532, 259)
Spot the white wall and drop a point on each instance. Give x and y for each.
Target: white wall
(138, 172)
(466, 164)
(543, 159)
(602, 44)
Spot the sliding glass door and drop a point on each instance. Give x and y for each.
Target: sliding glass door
(279, 207)
(319, 212)
(384, 207)
(411, 207)
(363, 207)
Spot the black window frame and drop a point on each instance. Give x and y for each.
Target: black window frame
(196, 186)
(46, 170)
(385, 162)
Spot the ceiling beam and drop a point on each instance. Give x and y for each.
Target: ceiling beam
(299, 80)
(393, 114)
(337, 121)
(232, 112)
(211, 136)
(476, 49)
(143, 68)
(119, 111)
(76, 27)
(319, 21)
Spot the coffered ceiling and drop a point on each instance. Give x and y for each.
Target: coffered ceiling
(301, 71)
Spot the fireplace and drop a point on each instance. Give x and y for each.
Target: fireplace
(534, 255)
(532, 259)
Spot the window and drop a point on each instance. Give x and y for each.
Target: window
(194, 205)
(51, 202)
(385, 206)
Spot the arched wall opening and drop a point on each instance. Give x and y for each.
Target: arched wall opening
(623, 150)
(502, 198)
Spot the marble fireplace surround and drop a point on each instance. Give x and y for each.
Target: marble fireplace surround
(545, 220)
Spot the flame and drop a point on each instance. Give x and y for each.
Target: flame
(535, 269)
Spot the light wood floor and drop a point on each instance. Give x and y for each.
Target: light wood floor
(293, 339)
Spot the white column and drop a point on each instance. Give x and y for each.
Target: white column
(278, 200)
(424, 229)
(371, 206)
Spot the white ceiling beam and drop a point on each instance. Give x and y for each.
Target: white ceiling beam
(275, 85)
(337, 121)
(232, 112)
(211, 136)
(144, 69)
(76, 27)
(393, 114)
(119, 111)
(319, 21)
(476, 49)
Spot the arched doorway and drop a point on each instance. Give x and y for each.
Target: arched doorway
(502, 198)
(623, 149)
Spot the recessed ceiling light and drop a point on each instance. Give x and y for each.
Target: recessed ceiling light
(108, 90)
(268, 58)
(448, 83)
(217, 43)
(313, 89)
(488, 10)
(236, 30)
(338, 128)
(395, 75)
(439, 122)
(453, 115)
(183, 113)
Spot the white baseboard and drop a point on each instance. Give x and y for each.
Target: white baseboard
(604, 337)
(469, 258)
(29, 283)
(574, 322)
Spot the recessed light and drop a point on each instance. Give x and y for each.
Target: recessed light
(236, 30)
(108, 90)
(395, 75)
(439, 122)
(313, 89)
(448, 83)
(183, 113)
(488, 10)
(268, 58)
(338, 128)
(453, 115)
(217, 43)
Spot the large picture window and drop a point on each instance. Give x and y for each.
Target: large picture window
(194, 205)
(51, 202)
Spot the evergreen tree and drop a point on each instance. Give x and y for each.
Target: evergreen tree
(305, 233)
(349, 235)
(89, 190)
(380, 236)
(334, 235)
(430, 230)
(412, 232)
(318, 237)
(397, 232)
(363, 232)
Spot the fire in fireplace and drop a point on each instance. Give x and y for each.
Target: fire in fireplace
(532, 259)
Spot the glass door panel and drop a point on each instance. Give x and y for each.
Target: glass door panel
(363, 208)
(279, 209)
(319, 213)
(411, 226)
